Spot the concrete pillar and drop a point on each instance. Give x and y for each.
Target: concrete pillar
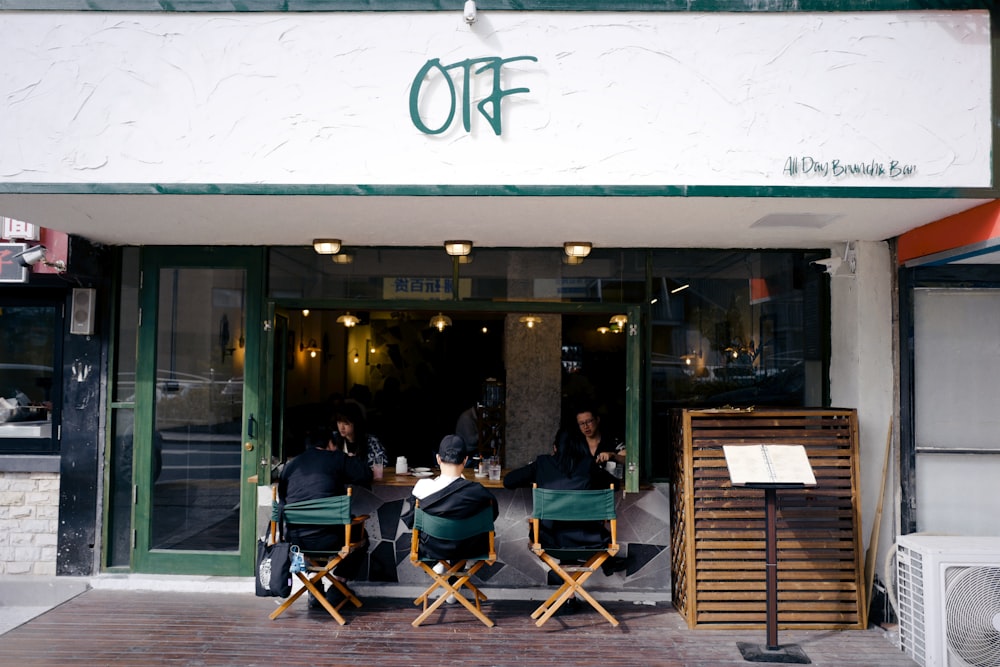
(533, 361)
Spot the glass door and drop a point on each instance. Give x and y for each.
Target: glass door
(197, 434)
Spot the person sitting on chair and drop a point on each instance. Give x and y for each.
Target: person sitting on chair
(322, 471)
(451, 495)
(569, 467)
(353, 438)
(602, 447)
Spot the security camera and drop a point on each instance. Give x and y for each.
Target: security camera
(470, 11)
(829, 265)
(31, 256)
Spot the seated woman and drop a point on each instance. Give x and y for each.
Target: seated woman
(569, 467)
(352, 436)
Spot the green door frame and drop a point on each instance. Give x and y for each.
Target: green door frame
(254, 438)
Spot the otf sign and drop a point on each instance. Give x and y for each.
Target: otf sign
(469, 69)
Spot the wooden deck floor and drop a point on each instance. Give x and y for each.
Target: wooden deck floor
(108, 627)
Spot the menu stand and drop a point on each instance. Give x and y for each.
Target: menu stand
(770, 467)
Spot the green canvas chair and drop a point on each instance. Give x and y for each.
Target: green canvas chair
(558, 505)
(461, 571)
(332, 511)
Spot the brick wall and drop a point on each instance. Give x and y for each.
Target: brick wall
(29, 522)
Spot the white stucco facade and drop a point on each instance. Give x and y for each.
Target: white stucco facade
(604, 99)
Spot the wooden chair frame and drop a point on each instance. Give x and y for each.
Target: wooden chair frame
(460, 570)
(321, 564)
(601, 502)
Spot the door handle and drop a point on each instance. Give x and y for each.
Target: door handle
(251, 427)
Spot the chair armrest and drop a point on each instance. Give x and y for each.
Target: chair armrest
(414, 546)
(360, 519)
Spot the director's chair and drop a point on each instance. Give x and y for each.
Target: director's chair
(584, 505)
(452, 530)
(331, 511)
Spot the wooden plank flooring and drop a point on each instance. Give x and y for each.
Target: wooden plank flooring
(148, 629)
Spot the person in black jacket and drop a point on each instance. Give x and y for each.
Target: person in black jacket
(318, 472)
(569, 467)
(451, 495)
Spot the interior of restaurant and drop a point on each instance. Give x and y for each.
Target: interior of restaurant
(416, 371)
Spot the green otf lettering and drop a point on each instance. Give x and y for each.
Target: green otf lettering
(468, 70)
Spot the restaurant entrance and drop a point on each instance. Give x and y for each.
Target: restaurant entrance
(194, 436)
(416, 370)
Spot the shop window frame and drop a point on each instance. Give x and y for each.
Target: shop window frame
(55, 299)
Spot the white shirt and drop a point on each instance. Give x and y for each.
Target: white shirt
(425, 487)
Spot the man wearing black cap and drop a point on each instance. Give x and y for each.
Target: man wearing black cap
(451, 495)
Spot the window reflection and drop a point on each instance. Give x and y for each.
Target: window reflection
(197, 450)
(27, 362)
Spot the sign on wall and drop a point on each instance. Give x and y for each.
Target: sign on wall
(868, 99)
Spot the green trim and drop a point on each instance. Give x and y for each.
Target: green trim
(253, 261)
(491, 5)
(634, 436)
(336, 190)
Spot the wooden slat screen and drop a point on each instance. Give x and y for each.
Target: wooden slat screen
(717, 530)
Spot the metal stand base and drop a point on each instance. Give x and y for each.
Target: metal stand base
(788, 654)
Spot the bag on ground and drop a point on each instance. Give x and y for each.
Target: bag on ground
(273, 578)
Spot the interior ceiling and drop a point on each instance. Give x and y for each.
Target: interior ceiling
(489, 221)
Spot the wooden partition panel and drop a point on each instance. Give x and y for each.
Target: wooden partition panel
(718, 546)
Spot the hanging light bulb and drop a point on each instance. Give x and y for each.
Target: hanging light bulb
(530, 320)
(603, 330)
(348, 320)
(619, 320)
(440, 321)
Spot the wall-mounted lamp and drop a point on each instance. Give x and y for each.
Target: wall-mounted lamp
(530, 320)
(458, 248)
(326, 246)
(36, 255)
(348, 320)
(440, 321)
(356, 359)
(577, 248)
(343, 258)
(313, 348)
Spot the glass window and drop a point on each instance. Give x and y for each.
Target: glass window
(733, 328)
(30, 346)
(197, 448)
(428, 274)
(120, 448)
(725, 327)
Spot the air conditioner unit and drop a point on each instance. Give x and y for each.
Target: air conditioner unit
(948, 599)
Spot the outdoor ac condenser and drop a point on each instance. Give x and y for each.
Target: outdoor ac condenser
(948, 598)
